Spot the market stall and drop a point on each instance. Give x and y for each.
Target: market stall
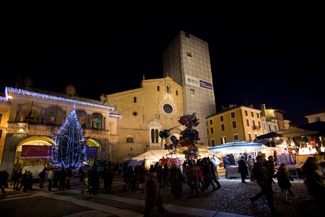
(153, 156)
(234, 150)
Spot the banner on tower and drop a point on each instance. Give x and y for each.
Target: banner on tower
(196, 82)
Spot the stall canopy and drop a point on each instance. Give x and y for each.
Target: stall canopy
(155, 155)
(269, 135)
(237, 146)
(296, 132)
(318, 126)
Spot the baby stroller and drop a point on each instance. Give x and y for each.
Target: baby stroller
(85, 187)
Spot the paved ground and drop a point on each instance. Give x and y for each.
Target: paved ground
(231, 200)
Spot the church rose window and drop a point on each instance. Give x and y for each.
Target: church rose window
(168, 108)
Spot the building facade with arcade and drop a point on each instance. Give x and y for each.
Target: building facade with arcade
(30, 118)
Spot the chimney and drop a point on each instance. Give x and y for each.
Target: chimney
(263, 109)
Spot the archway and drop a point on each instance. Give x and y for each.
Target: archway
(28, 155)
(93, 143)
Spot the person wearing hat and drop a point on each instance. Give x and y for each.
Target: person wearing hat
(152, 198)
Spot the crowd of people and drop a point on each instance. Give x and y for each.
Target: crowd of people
(201, 174)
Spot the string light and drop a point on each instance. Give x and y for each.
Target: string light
(46, 96)
(70, 145)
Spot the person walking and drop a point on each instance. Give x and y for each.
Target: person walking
(107, 176)
(260, 174)
(213, 174)
(4, 181)
(82, 174)
(153, 197)
(16, 179)
(68, 177)
(284, 178)
(62, 175)
(250, 167)
(216, 163)
(142, 175)
(192, 179)
(42, 175)
(175, 178)
(242, 169)
(50, 177)
(315, 184)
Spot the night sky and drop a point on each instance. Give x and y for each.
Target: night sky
(271, 58)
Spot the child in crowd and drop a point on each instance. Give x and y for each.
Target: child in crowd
(284, 179)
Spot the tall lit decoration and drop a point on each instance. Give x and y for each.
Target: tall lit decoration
(70, 147)
(189, 136)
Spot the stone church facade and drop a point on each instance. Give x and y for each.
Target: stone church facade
(155, 106)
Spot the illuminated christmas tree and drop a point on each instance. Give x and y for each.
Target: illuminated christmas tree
(69, 149)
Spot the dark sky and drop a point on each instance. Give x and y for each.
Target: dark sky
(272, 58)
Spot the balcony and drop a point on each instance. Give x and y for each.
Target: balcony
(256, 127)
(49, 130)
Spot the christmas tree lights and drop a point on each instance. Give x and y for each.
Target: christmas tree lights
(70, 147)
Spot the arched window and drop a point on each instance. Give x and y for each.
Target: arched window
(156, 136)
(152, 136)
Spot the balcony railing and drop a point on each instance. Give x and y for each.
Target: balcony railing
(49, 130)
(256, 127)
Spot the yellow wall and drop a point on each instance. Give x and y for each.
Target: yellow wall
(4, 112)
(242, 130)
(148, 106)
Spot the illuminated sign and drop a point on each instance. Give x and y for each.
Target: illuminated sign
(196, 82)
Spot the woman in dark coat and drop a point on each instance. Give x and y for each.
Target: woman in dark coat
(175, 177)
(153, 198)
(242, 169)
(284, 178)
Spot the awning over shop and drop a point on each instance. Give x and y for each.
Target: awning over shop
(237, 147)
(155, 155)
(318, 126)
(296, 132)
(269, 135)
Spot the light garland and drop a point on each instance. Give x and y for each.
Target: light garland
(46, 96)
(69, 144)
(115, 115)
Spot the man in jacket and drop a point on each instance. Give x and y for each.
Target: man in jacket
(261, 174)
